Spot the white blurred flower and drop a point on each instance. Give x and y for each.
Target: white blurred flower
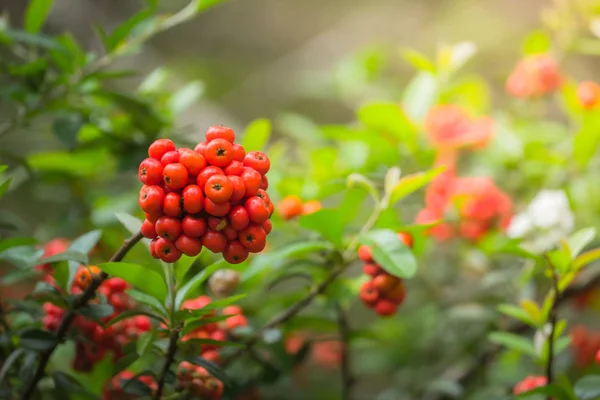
(547, 219)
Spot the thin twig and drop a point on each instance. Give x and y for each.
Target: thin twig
(346, 368)
(287, 314)
(68, 318)
(169, 358)
(553, 318)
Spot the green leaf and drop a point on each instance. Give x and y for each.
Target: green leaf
(586, 258)
(130, 314)
(587, 140)
(257, 134)
(66, 129)
(37, 340)
(418, 60)
(579, 240)
(517, 313)
(588, 388)
(412, 183)
(536, 42)
(122, 31)
(420, 95)
(203, 5)
(390, 122)
(287, 252)
(69, 255)
(390, 252)
(142, 278)
(36, 13)
(148, 300)
(96, 311)
(533, 310)
(188, 289)
(144, 342)
(212, 368)
(4, 186)
(514, 342)
(10, 360)
(16, 242)
(328, 222)
(131, 223)
(83, 244)
(355, 180)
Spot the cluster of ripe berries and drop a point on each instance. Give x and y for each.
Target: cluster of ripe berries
(585, 345)
(198, 382)
(97, 340)
(213, 196)
(383, 292)
(115, 389)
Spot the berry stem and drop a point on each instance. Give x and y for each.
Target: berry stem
(67, 320)
(552, 319)
(288, 313)
(346, 370)
(169, 358)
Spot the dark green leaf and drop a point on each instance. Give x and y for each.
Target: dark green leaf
(36, 13)
(10, 360)
(148, 300)
(212, 368)
(135, 387)
(144, 342)
(37, 340)
(66, 129)
(588, 388)
(96, 311)
(140, 277)
(390, 252)
(328, 222)
(4, 186)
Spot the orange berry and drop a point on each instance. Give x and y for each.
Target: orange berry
(85, 275)
(290, 207)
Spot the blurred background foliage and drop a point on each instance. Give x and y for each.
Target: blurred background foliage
(320, 82)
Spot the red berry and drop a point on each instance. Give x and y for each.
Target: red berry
(385, 282)
(189, 246)
(218, 189)
(150, 172)
(252, 181)
(200, 147)
(238, 216)
(238, 188)
(267, 226)
(151, 199)
(239, 152)
(368, 293)
(264, 196)
(372, 269)
(175, 176)
(170, 157)
(254, 238)
(152, 217)
(235, 253)
(230, 233)
(216, 210)
(257, 210)
(264, 185)
(217, 224)
(153, 252)
(236, 321)
(148, 230)
(168, 228)
(257, 160)
(598, 357)
(193, 162)
(193, 226)
(219, 152)
(214, 241)
(385, 308)
(364, 253)
(116, 285)
(172, 204)
(160, 147)
(166, 250)
(588, 94)
(406, 238)
(234, 168)
(397, 294)
(193, 199)
(220, 132)
(207, 173)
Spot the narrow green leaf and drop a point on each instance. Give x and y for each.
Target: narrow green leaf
(257, 134)
(418, 60)
(10, 360)
(412, 183)
(533, 310)
(517, 313)
(390, 252)
(142, 278)
(188, 289)
(514, 342)
(148, 300)
(4, 186)
(212, 368)
(36, 14)
(579, 240)
(586, 258)
(144, 342)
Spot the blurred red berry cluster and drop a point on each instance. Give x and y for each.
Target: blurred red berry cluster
(383, 292)
(213, 196)
(529, 383)
(535, 75)
(585, 345)
(449, 127)
(198, 382)
(324, 352)
(115, 389)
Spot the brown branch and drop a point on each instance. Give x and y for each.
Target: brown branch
(169, 358)
(287, 314)
(68, 318)
(345, 370)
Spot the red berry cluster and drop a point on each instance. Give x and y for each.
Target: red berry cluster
(529, 383)
(213, 196)
(384, 292)
(585, 345)
(55, 246)
(198, 382)
(100, 340)
(114, 390)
